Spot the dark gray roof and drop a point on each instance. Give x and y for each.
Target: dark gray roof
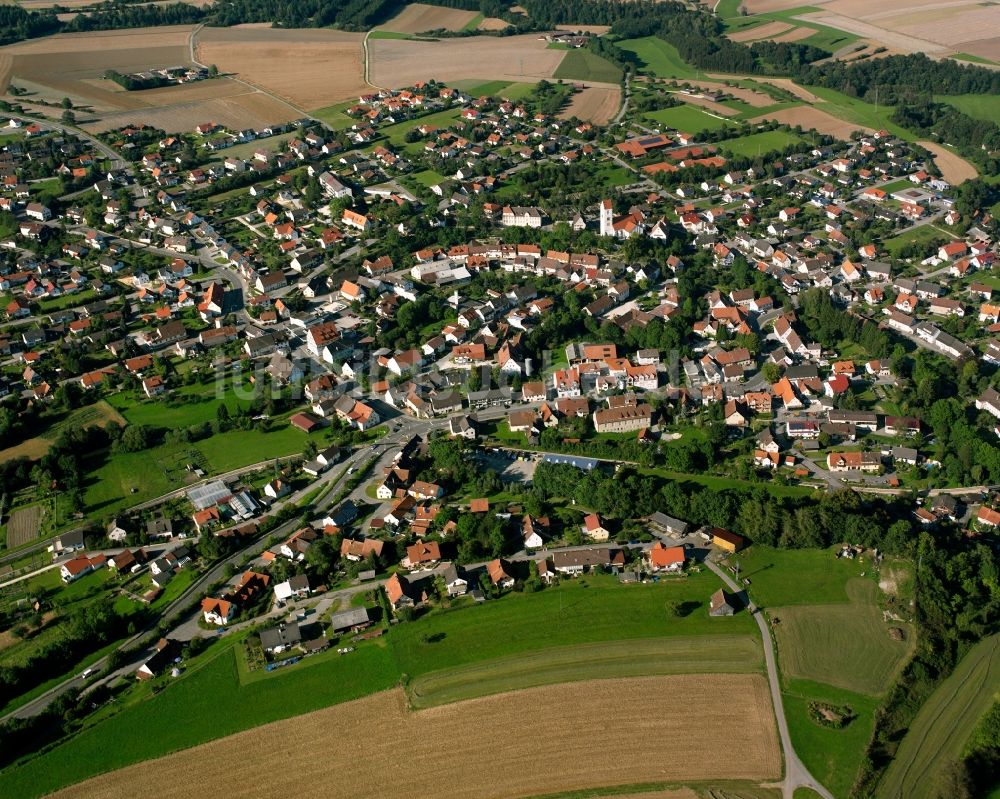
(282, 635)
(349, 618)
(668, 523)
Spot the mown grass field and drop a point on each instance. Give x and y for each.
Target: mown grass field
(924, 234)
(833, 646)
(161, 469)
(679, 655)
(943, 725)
(831, 755)
(759, 143)
(585, 65)
(207, 703)
(213, 699)
(846, 646)
(858, 111)
(659, 58)
(687, 119)
(595, 608)
(786, 577)
(977, 106)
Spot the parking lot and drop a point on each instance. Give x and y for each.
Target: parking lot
(507, 464)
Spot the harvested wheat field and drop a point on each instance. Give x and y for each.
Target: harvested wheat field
(597, 103)
(493, 24)
(984, 48)
(352, 750)
(420, 18)
(60, 66)
(395, 63)
(810, 118)
(252, 109)
(310, 68)
(954, 168)
(765, 31)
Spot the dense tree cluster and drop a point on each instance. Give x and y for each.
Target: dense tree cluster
(831, 325)
(950, 125)
(765, 519)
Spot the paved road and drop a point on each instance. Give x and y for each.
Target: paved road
(796, 774)
(197, 588)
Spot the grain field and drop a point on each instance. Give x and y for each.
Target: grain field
(309, 68)
(810, 118)
(397, 63)
(525, 743)
(954, 168)
(597, 103)
(420, 18)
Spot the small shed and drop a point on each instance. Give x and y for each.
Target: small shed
(722, 603)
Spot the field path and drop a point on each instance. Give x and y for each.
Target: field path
(366, 61)
(796, 774)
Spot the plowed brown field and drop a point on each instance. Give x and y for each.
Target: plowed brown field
(541, 740)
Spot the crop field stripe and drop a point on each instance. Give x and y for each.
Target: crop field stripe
(644, 657)
(943, 725)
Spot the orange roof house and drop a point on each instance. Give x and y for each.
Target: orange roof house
(662, 557)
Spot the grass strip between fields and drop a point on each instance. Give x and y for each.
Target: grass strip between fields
(644, 657)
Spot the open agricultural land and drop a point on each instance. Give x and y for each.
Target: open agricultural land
(632, 742)
(73, 66)
(962, 29)
(534, 640)
(841, 644)
(307, 68)
(398, 63)
(941, 729)
(421, 18)
(582, 65)
(596, 103)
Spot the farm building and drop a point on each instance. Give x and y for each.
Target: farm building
(353, 619)
(722, 603)
(723, 539)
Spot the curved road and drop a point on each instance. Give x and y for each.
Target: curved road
(796, 774)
